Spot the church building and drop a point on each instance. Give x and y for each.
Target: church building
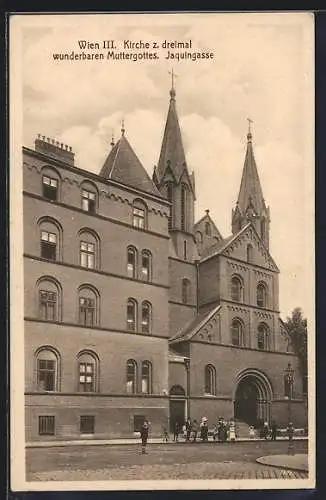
(133, 309)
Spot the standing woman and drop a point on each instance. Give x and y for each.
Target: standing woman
(144, 436)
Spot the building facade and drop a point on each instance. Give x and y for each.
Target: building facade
(133, 310)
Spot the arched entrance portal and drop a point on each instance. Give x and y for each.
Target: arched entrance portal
(177, 406)
(253, 396)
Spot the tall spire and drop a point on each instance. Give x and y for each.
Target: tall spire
(251, 205)
(172, 154)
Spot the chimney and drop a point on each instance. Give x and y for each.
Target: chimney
(54, 149)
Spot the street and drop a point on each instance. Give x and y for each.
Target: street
(163, 461)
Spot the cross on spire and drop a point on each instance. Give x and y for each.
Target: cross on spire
(172, 91)
(249, 135)
(123, 126)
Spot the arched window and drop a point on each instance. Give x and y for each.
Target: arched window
(263, 337)
(146, 317)
(88, 369)
(132, 262)
(183, 207)
(89, 197)
(249, 254)
(146, 261)
(261, 295)
(185, 291)
(146, 377)
(199, 238)
(139, 214)
(236, 289)
(50, 238)
(49, 295)
(208, 231)
(131, 315)
(131, 384)
(215, 240)
(88, 249)
(210, 380)
(51, 184)
(47, 360)
(169, 195)
(185, 253)
(88, 301)
(237, 332)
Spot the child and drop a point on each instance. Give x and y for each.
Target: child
(165, 435)
(251, 432)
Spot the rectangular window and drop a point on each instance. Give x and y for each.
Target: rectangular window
(88, 201)
(48, 301)
(48, 245)
(87, 254)
(46, 425)
(138, 422)
(86, 311)
(87, 424)
(86, 377)
(46, 374)
(50, 188)
(139, 217)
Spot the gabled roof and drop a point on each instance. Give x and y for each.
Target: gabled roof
(188, 332)
(123, 165)
(172, 152)
(208, 218)
(227, 242)
(250, 193)
(216, 247)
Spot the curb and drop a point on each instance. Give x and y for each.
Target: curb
(61, 444)
(284, 467)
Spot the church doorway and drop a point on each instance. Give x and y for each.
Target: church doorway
(177, 406)
(253, 395)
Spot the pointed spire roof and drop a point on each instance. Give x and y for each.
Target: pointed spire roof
(123, 165)
(250, 194)
(172, 152)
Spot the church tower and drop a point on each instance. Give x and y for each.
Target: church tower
(172, 178)
(251, 205)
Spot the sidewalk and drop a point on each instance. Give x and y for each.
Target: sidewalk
(135, 440)
(297, 462)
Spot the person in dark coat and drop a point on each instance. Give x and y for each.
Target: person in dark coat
(144, 436)
(290, 431)
(194, 430)
(273, 430)
(176, 431)
(188, 429)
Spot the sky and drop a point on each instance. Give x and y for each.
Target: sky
(262, 68)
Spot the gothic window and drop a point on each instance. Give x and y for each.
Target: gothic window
(199, 238)
(88, 369)
(169, 195)
(146, 377)
(208, 231)
(263, 337)
(263, 228)
(185, 290)
(88, 306)
(89, 197)
(237, 332)
(131, 262)
(249, 254)
(183, 207)
(146, 265)
(49, 299)
(139, 214)
(236, 289)
(131, 383)
(88, 249)
(261, 295)
(47, 369)
(210, 380)
(146, 314)
(185, 250)
(131, 315)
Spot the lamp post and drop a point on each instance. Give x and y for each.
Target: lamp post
(288, 382)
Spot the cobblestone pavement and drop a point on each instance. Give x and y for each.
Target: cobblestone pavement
(170, 461)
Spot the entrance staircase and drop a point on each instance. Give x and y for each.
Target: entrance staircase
(242, 429)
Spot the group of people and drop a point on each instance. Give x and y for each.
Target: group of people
(192, 430)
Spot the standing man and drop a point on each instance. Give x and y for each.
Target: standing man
(188, 429)
(273, 430)
(144, 436)
(194, 430)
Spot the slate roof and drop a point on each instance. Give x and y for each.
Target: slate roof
(123, 165)
(194, 325)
